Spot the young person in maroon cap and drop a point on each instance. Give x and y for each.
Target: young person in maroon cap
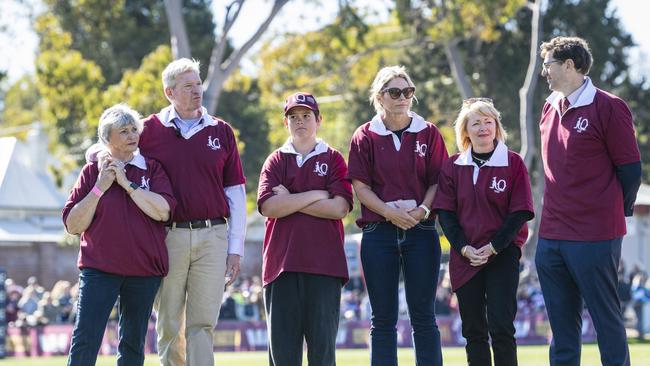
(118, 205)
(592, 168)
(483, 202)
(304, 194)
(394, 164)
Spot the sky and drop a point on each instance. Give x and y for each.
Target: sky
(19, 42)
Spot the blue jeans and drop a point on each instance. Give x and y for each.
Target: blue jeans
(570, 271)
(386, 251)
(98, 292)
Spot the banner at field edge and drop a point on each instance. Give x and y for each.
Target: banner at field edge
(252, 336)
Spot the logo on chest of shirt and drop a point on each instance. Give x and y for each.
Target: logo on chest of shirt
(581, 125)
(320, 169)
(214, 144)
(498, 185)
(144, 183)
(421, 149)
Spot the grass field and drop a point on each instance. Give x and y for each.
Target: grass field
(528, 356)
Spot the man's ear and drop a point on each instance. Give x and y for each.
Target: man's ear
(168, 92)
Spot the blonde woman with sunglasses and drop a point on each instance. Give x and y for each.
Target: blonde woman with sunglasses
(393, 165)
(483, 202)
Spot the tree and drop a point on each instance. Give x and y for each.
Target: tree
(221, 65)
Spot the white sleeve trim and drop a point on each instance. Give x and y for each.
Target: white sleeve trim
(236, 196)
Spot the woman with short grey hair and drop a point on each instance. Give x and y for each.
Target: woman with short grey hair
(119, 206)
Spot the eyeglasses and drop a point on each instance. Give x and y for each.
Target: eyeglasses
(470, 101)
(396, 92)
(547, 65)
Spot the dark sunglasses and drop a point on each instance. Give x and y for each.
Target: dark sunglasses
(396, 92)
(470, 101)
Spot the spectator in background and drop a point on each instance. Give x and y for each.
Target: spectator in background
(640, 289)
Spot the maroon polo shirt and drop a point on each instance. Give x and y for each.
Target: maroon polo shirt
(199, 167)
(583, 199)
(393, 174)
(482, 207)
(301, 242)
(121, 238)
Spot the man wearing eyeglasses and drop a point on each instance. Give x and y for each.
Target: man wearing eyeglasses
(593, 169)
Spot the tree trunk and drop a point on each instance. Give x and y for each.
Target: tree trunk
(529, 150)
(179, 41)
(457, 69)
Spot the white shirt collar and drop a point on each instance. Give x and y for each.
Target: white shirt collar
(377, 126)
(582, 96)
(168, 114)
(288, 148)
(138, 160)
(499, 158)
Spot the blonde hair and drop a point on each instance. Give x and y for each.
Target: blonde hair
(383, 77)
(480, 107)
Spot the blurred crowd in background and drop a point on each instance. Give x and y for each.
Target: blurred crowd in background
(33, 305)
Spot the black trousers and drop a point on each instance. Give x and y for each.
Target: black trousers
(302, 306)
(488, 305)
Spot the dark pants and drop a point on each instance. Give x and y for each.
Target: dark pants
(98, 292)
(302, 306)
(386, 251)
(488, 305)
(569, 272)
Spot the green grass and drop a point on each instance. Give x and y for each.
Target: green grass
(453, 356)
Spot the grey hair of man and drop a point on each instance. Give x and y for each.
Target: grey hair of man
(383, 77)
(176, 68)
(117, 116)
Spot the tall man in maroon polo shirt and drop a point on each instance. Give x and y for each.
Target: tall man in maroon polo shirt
(199, 154)
(593, 169)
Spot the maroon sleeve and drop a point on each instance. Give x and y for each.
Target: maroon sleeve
(83, 186)
(619, 134)
(337, 185)
(359, 159)
(160, 184)
(270, 177)
(521, 197)
(437, 157)
(233, 174)
(445, 197)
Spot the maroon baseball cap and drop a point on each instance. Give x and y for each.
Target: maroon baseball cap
(300, 99)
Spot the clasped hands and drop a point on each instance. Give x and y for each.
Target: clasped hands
(478, 256)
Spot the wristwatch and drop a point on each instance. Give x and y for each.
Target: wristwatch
(134, 186)
(427, 211)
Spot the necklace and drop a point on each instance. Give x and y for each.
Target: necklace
(481, 161)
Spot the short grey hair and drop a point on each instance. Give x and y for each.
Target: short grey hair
(176, 68)
(384, 76)
(117, 116)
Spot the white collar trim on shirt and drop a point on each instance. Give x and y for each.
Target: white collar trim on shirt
(288, 148)
(582, 96)
(138, 160)
(168, 114)
(377, 126)
(499, 158)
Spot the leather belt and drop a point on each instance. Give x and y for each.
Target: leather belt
(197, 224)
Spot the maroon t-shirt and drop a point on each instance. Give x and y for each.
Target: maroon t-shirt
(500, 189)
(301, 242)
(396, 174)
(199, 167)
(583, 199)
(121, 238)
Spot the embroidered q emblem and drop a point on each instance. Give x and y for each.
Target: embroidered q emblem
(144, 183)
(581, 125)
(320, 169)
(421, 149)
(498, 186)
(214, 144)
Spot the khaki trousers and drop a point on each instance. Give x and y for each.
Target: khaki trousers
(190, 296)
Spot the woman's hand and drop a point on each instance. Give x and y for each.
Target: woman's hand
(417, 213)
(400, 217)
(475, 257)
(106, 175)
(120, 173)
